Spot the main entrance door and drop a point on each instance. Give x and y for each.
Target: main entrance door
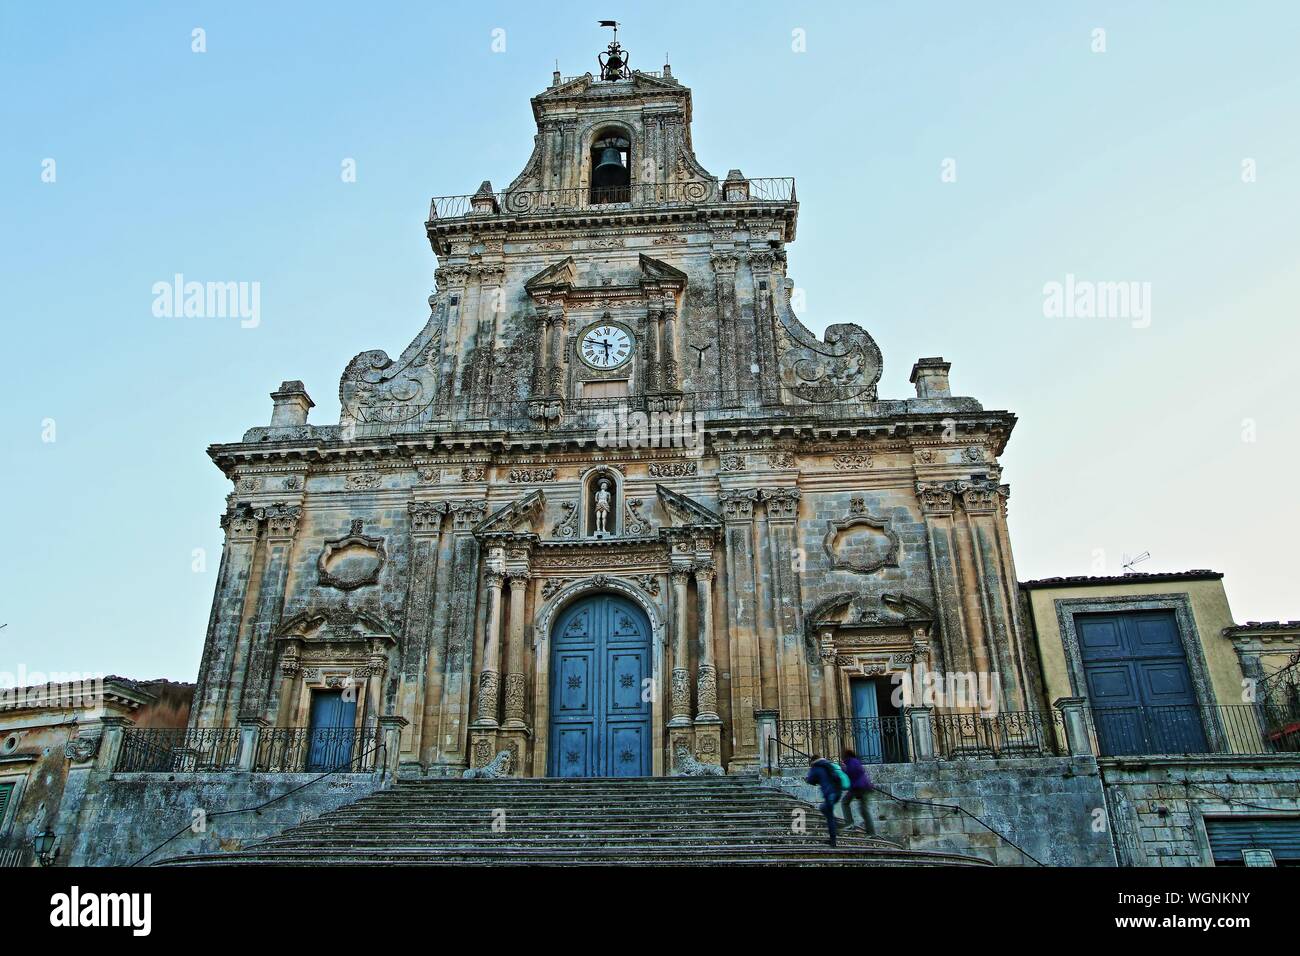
(600, 708)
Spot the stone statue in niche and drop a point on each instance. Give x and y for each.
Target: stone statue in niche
(603, 504)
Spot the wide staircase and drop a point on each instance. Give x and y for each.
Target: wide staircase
(654, 821)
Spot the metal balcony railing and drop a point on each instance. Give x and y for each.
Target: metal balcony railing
(316, 749)
(1012, 733)
(1187, 729)
(178, 750)
(873, 739)
(530, 202)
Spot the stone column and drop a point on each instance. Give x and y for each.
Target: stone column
(516, 681)
(669, 381)
(681, 688)
(558, 333)
(652, 370)
(760, 266)
(541, 358)
(1074, 716)
(490, 677)
(706, 688)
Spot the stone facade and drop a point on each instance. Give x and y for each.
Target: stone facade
(782, 526)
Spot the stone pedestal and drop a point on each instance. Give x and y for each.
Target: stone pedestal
(250, 736)
(1073, 715)
(391, 728)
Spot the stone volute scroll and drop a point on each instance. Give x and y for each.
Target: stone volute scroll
(861, 543)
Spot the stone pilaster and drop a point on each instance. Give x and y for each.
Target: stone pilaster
(746, 663)
(724, 277)
(670, 381)
(426, 534)
(937, 508)
(653, 369)
(224, 625)
(457, 608)
(281, 529)
(786, 595)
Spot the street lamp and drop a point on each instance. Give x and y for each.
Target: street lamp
(43, 844)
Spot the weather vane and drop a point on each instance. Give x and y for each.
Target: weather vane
(613, 62)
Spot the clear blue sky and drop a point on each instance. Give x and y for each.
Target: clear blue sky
(225, 165)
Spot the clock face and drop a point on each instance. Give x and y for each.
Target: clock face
(606, 346)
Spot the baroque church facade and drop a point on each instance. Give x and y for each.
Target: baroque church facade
(615, 511)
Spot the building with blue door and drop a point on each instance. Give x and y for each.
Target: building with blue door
(614, 511)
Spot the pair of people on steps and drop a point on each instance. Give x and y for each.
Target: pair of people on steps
(845, 782)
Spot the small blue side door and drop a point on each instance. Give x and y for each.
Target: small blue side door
(866, 721)
(332, 730)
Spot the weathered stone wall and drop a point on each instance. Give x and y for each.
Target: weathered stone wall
(1053, 807)
(119, 818)
(1158, 805)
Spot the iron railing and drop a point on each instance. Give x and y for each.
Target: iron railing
(1182, 729)
(178, 750)
(312, 749)
(1010, 733)
(873, 739)
(533, 202)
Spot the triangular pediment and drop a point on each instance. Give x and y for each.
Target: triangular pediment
(653, 270)
(517, 517)
(684, 511)
(555, 278)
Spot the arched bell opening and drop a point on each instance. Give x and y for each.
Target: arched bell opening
(611, 168)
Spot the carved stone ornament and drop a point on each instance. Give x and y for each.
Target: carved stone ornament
(838, 532)
(352, 561)
(80, 749)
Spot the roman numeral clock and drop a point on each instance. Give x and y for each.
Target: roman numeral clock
(606, 346)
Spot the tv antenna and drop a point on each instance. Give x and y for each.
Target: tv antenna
(1130, 563)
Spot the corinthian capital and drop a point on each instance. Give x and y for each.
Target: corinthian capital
(738, 505)
(281, 520)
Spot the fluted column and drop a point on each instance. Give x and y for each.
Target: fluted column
(681, 689)
(541, 359)
(281, 529)
(706, 686)
(489, 680)
(515, 679)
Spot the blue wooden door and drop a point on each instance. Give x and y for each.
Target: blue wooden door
(866, 721)
(1139, 684)
(332, 730)
(600, 717)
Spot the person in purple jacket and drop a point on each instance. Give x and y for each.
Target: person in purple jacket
(859, 787)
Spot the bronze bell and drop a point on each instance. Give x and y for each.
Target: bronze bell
(610, 171)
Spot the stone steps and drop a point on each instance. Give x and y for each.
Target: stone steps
(548, 822)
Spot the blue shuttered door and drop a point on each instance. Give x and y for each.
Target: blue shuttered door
(1139, 684)
(600, 725)
(332, 730)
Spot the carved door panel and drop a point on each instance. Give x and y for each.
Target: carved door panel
(601, 659)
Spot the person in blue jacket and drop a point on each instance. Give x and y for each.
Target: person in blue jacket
(823, 774)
